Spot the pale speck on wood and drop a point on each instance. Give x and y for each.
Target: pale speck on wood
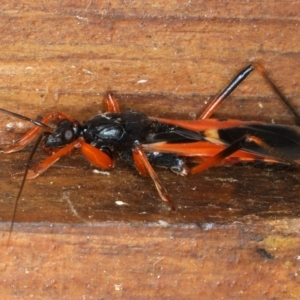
(95, 171)
(142, 81)
(118, 202)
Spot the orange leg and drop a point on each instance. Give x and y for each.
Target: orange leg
(234, 147)
(48, 162)
(144, 168)
(212, 107)
(111, 103)
(95, 156)
(34, 132)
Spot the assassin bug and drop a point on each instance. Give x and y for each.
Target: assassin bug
(144, 141)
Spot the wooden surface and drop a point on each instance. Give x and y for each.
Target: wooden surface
(236, 232)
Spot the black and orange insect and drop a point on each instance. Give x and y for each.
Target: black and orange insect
(144, 141)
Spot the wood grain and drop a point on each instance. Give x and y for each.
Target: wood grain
(236, 232)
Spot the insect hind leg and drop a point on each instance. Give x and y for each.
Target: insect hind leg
(238, 79)
(262, 71)
(238, 145)
(218, 100)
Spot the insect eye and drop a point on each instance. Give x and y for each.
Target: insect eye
(68, 135)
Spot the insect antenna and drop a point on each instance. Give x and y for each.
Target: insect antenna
(35, 122)
(46, 130)
(29, 160)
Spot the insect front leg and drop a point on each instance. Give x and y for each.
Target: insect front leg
(94, 155)
(49, 161)
(34, 132)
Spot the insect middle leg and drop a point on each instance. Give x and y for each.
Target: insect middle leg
(144, 167)
(111, 103)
